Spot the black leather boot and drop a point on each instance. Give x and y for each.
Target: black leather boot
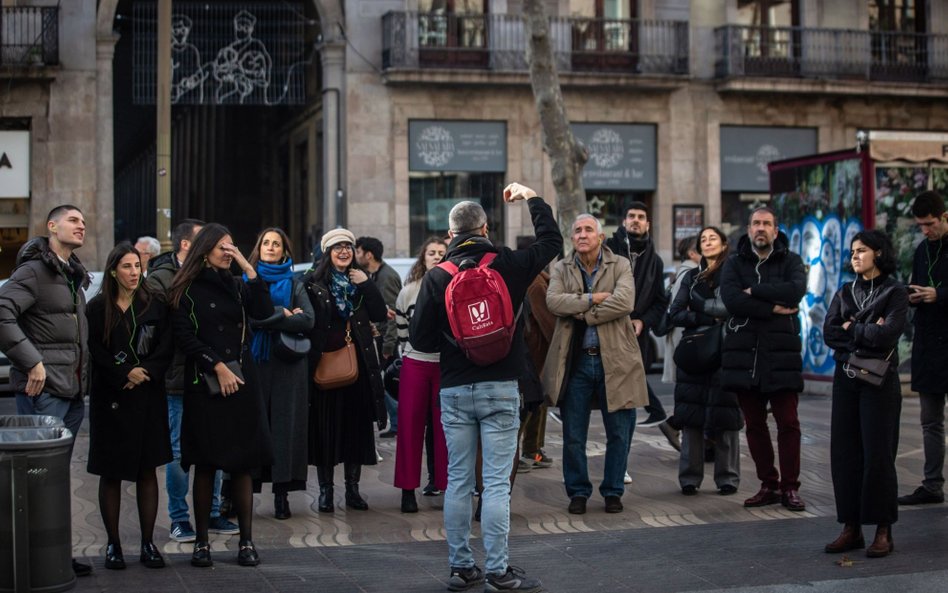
(353, 499)
(324, 475)
(281, 506)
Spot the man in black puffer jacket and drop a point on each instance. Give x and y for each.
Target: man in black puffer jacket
(43, 328)
(761, 286)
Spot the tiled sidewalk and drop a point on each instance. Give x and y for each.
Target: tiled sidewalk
(374, 543)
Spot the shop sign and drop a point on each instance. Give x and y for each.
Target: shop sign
(14, 164)
(621, 156)
(746, 150)
(468, 146)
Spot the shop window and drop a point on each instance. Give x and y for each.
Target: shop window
(735, 212)
(431, 196)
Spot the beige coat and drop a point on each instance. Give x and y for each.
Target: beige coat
(621, 358)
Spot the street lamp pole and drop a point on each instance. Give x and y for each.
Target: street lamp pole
(163, 103)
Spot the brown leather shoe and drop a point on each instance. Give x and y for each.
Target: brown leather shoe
(882, 544)
(792, 501)
(850, 539)
(763, 497)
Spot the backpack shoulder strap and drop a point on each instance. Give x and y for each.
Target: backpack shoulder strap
(487, 259)
(449, 267)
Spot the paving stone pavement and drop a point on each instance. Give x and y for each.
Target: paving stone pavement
(663, 541)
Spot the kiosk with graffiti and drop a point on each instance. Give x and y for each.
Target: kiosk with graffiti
(820, 204)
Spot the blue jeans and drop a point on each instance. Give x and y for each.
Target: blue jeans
(70, 411)
(176, 479)
(587, 388)
(391, 406)
(489, 410)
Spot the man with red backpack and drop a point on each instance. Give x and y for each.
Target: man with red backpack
(468, 310)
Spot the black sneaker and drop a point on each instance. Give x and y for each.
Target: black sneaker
(921, 496)
(462, 579)
(515, 579)
(654, 419)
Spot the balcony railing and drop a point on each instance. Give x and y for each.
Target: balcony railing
(413, 40)
(830, 53)
(29, 36)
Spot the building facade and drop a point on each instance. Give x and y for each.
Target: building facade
(411, 105)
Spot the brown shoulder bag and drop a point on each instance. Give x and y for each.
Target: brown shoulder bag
(338, 368)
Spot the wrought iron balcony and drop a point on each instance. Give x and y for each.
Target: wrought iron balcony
(29, 36)
(413, 41)
(830, 53)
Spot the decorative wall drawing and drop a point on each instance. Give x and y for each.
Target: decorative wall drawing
(224, 53)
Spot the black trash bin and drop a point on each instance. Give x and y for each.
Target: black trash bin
(36, 515)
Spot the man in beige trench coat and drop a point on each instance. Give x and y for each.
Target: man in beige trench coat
(594, 360)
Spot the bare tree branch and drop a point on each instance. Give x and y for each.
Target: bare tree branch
(567, 154)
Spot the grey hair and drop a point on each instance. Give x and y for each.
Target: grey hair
(152, 245)
(466, 217)
(590, 216)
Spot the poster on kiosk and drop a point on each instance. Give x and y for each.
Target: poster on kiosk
(823, 200)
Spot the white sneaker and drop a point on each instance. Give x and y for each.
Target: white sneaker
(627, 479)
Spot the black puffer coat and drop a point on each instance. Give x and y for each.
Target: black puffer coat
(884, 298)
(930, 343)
(700, 402)
(762, 350)
(43, 319)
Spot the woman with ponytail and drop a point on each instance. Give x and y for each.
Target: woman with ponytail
(282, 368)
(130, 346)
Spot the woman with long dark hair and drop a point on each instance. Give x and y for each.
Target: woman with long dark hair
(130, 344)
(225, 422)
(865, 319)
(283, 379)
(346, 303)
(419, 405)
(702, 407)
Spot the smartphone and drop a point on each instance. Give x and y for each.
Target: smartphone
(910, 289)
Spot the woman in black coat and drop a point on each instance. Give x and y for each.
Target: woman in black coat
(283, 374)
(702, 407)
(130, 346)
(341, 428)
(866, 318)
(226, 427)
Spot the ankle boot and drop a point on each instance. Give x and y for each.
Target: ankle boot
(882, 544)
(324, 475)
(281, 506)
(409, 503)
(353, 499)
(849, 539)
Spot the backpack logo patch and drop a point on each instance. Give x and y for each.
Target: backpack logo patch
(480, 313)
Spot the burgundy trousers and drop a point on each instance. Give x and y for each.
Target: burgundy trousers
(784, 407)
(419, 397)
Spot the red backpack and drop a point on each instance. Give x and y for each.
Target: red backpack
(479, 311)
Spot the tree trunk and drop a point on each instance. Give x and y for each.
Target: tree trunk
(567, 155)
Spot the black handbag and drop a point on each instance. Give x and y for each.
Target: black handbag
(869, 370)
(290, 347)
(699, 351)
(213, 385)
(392, 377)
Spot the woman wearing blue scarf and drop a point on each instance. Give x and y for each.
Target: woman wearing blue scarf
(341, 429)
(283, 373)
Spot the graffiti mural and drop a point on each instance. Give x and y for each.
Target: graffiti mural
(820, 210)
(224, 53)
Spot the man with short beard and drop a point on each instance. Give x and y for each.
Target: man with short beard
(761, 286)
(633, 242)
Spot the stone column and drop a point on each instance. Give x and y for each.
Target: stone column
(333, 56)
(105, 157)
